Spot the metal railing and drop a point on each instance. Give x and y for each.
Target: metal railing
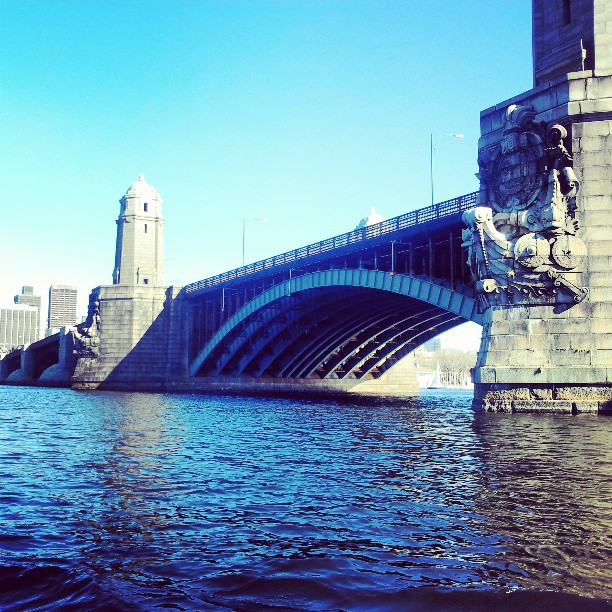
(415, 217)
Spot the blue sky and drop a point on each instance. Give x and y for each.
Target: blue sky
(304, 112)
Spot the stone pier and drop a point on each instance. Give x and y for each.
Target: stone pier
(138, 343)
(540, 240)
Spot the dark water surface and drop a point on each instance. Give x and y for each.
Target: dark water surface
(137, 502)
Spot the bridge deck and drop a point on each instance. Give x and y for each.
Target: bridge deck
(337, 246)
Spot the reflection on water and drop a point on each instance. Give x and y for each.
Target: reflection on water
(547, 490)
(119, 501)
(142, 437)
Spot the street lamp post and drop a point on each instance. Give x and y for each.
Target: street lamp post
(244, 224)
(432, 150)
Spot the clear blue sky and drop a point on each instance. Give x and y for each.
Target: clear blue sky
(305, 112)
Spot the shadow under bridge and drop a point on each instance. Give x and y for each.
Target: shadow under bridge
(346, 323)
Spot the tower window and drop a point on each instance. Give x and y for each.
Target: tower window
(146, 206)
(567, 11)
(145, 228)
(145, 281)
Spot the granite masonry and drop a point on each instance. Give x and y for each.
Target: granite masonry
(540, 241)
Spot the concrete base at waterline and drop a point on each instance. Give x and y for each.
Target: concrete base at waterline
(384, 387)
(313, 387)
(569, 398)
(20, 378)
(398, 381)
(256, 386)
(55, 376)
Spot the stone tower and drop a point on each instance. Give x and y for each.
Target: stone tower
(570, 36)
(540, 242)
(134, 337)
(139, 254)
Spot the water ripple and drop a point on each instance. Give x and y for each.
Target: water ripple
(138, 501)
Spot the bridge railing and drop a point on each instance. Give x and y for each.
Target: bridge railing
(415, 217)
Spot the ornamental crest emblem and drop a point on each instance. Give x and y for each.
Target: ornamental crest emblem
(521, 239)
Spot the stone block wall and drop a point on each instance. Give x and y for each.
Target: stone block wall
(557, 31)
(592, 146)
(142, 340)
(559, 356)
(603, 35)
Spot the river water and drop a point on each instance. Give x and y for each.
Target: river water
(112, 501)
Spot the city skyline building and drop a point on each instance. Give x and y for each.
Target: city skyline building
(62, 306)
(139, 254)
(19, 325)
(27, 297)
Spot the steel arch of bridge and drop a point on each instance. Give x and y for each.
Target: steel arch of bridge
(272, 335)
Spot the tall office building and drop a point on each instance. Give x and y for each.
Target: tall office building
(62, 306)
(27, 298)
(18, 325)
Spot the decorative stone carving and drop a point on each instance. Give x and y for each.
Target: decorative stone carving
(87, 337)
(568, 252)
(532, 251)
(521, 239)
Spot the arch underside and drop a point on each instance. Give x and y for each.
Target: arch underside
(341, 324)
(44, 360)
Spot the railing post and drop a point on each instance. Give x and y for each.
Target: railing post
(410, 259)
(451, 260)
(430, 258)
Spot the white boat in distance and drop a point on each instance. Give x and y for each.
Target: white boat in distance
(436, 382)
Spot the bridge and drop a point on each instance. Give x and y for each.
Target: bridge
(345, 314)
(339, 312)
(345, 309)
(48, 362)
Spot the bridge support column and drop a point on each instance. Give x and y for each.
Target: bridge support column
(4, 368)
(25, 374)
(540, 249)
(534, 359)
(60, 374)
(9, 364)
(134, 339)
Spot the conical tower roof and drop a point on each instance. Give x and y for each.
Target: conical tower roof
(143, 190)
(372, 218)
